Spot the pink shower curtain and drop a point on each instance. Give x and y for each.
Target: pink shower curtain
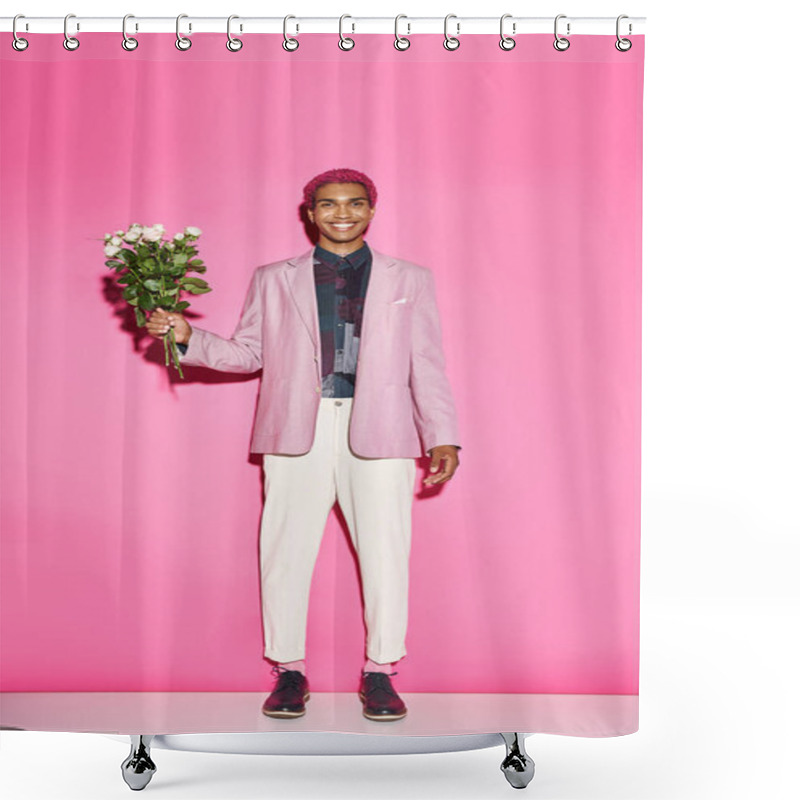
(130, 501)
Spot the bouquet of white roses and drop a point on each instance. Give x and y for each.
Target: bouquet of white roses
(153, 271)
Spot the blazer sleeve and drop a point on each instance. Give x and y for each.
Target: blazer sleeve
(240, 353)
(434, 408)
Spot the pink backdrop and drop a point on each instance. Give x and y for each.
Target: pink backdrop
(130, 503)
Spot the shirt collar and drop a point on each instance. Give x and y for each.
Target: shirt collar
(355, 259)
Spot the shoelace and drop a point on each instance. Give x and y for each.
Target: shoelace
(381, 684)
(293, 677)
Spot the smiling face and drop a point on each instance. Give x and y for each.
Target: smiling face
(341, 213)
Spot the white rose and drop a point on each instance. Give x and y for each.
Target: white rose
(178, 237)
(153, 234)
(192, 231)
(134, 232)
(111, 250)
(169, 245)
(117, 240)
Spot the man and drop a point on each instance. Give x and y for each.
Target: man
(312, 324)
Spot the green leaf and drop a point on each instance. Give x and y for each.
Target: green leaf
(152, 285)
(129, 292)
(182, 306)
(194, 282)
(141, 319)
(146, 301)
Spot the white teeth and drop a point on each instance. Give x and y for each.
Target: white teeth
(343, 226)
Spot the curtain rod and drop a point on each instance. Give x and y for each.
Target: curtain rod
(406, 25)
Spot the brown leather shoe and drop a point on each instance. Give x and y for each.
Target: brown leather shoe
(381, 701)
(288, 698)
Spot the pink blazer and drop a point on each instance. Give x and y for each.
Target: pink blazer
(402, 406)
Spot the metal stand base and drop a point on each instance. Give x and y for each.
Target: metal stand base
(138, 768)
(517, 766)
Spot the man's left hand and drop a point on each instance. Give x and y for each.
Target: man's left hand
(444, 462)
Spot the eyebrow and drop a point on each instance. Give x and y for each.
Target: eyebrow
(330, 200)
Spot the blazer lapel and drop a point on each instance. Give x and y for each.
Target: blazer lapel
(299, 272)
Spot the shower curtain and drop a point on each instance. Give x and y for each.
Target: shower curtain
(131, 502)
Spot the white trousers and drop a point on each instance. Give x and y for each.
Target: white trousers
(375, 496)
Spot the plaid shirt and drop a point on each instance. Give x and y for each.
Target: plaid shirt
(341, 283)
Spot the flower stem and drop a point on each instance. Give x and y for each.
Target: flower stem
(173, 348)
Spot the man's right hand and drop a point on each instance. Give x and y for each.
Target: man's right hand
(160, 321)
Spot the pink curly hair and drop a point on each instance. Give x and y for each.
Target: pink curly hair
(340, 175)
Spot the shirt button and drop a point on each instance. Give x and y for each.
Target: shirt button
(317, 388)
(337, 402)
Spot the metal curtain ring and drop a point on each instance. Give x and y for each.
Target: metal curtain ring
(290, 44)
(18, 43)
(506, 42)
(70, 42)
(128, 42)
(451, 42)
(345, 42)
(400, 42)
(182, 43)
(560, 42)
(623, 45)
(233, 44)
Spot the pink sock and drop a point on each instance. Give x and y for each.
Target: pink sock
(373, 666)
(298, 665)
